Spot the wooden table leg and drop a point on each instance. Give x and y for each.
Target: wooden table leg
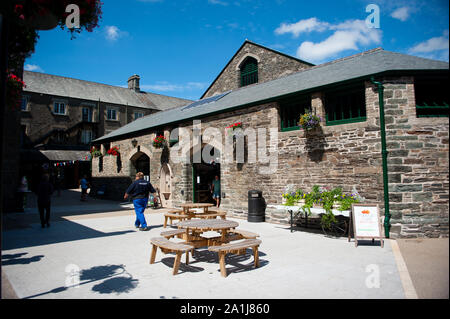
(256, 256)
(223, 270)
(153, 255)
(176, 263)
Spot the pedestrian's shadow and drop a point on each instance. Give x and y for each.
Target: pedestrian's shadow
(16, 260)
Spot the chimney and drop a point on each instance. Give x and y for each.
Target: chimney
(133, 83)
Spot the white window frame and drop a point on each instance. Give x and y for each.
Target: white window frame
(116, 112)
(59, 105)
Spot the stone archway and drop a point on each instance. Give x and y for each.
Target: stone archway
(139, 161)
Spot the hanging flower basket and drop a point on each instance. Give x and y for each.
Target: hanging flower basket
(309, 121)
(230, 128)
(159, 142)
(14, 86)
(114, 151)
(95, 152)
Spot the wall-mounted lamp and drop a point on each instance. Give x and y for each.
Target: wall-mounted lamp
(134, 142)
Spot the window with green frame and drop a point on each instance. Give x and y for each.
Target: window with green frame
(431, 93)
(291, 109)
(346, 104)
(249, 71)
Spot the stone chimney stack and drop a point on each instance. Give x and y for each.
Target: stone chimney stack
(133, 83)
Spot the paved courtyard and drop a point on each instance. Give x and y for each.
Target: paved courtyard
(112, 260)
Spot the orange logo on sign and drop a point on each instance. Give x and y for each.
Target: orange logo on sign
(365, 212)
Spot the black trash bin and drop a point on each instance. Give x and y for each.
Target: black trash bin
(256, 207)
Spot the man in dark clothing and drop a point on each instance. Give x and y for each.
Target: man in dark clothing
(44, 193)
(139, 191)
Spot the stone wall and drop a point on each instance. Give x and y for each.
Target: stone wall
(271, 65)
(40, 119)
(346, 156)
(418, 164)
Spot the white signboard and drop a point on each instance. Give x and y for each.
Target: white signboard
(366, 222)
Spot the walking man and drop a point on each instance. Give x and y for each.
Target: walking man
(84, 184)
(44, 193)
(139, 191)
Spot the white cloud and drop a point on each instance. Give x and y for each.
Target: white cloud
(436, 48)
(433, 44)
(113, 33)
(165, 86)
(348, 35)
(401, 14)
(306, 25)
(33, 67)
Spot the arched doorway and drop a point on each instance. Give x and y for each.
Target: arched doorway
(203, 174)
(140, 162)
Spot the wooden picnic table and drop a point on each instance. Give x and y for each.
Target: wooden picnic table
(187, 206)
(194, 229)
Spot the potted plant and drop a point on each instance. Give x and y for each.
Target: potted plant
(159, 142)
(309, 121)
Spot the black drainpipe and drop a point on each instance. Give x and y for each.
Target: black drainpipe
(384, 152)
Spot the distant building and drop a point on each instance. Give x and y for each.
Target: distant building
(61, 116)
(265, 89)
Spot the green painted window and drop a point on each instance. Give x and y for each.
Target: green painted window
(431, 93)
(290, 110)
(345, 104)
(249, 71)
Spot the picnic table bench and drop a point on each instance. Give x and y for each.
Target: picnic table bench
(168, 246)
(236, 248)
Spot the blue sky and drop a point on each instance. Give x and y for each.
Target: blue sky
(179, 47)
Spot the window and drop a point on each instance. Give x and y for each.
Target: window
(346, 104)
(86, 136)
(249, 71)
(24, 104)
(112, 114)
(59, 108)
(138, 115)
(291, 109)
(86, 114)
(431, 94)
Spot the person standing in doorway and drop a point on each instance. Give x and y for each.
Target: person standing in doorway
(216, 190)
(139, 191)
(44, 193)
(84, 187)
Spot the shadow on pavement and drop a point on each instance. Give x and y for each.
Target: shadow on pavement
(115, 280)
(57, 233)
(16, 259)
(212, 257)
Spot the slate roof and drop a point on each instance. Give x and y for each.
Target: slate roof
(362, 65)
(92, 91)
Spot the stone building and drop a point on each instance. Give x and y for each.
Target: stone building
(60, 116)
(345, 152)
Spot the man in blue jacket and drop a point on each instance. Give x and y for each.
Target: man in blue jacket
(139, 191)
